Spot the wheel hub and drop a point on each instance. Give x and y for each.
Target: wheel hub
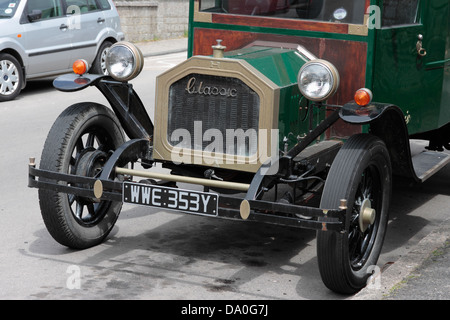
(366, 215)
(91, 164)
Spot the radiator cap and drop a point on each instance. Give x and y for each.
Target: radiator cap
(218, 49)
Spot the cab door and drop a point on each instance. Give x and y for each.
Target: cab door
(437, 60)
(47, 38)
(405, 53)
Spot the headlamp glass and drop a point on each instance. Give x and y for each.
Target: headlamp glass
(124, 61)
(318, 80)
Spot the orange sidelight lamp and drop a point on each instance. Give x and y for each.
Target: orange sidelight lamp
(363, 97)
(80, 66)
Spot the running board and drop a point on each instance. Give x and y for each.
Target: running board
(428, 163)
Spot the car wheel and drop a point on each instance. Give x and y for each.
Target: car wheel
(11, 77)
(361, 174)
(80, 142)
(99, 65)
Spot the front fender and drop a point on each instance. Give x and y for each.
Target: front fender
(74, 82)
(387, 122)
(125, 102)
(355, 114)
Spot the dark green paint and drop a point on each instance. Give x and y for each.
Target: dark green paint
(281, 66)
(418, 85)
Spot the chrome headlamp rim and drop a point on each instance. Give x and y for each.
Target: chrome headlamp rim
(334, 75)
(137, 56)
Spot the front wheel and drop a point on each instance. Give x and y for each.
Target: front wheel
(11, 77)
(361, 173)
(80, 142)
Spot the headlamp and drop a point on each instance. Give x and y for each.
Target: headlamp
(124, 61)
(318, 80)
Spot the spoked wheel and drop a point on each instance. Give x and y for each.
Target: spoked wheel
(361, 174)
(80, 142)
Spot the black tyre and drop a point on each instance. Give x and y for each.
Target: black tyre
(362, 174)
(99, 64)
(80, 142)
(11, 77)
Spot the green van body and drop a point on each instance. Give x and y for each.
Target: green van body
(394, 71)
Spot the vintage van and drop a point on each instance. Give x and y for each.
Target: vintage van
(301, 114)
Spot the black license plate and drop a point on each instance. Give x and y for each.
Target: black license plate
(203, 203)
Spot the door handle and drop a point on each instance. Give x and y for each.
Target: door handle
(63, 26)
(100, 20)
(419, 46)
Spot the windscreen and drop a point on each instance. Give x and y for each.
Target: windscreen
(8, 8)
(343, 11)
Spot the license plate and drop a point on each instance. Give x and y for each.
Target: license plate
(195, 202)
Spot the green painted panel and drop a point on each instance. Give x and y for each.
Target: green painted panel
(400, 78)
(418, 85)
(281, 66)
(445, 100)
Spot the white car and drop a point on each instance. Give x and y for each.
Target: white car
(40, 38)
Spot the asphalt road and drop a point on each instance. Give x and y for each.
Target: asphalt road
(161, 255)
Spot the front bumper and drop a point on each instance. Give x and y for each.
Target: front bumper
(229, 207)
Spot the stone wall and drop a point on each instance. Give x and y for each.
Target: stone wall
(153, 20)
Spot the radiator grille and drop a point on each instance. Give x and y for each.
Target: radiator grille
(204, 108)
